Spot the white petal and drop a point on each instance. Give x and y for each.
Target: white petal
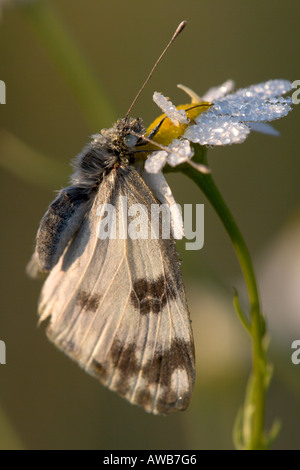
(176, 115)
(247, 108)
(181, 151)
(162, 191)
(268, 89)
(217, 130)
(156, 161)
(264, 128)
(218, 92)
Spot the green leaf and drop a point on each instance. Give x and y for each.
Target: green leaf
(240, 312)
(273, 434)
(238, 438)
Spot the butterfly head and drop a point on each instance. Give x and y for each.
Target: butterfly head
(122, 138)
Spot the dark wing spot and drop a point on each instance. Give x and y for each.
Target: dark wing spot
(158, 287)
(69, 347)
(141, 288)
(144, 398)
(160, 368)
(124, 360)
(87, 301)
(151, 370)
(169, 402)
(151, 296)
(98, 369)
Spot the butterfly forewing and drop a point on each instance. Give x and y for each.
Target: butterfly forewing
(118, 306)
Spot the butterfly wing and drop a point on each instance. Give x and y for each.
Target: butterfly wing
(118, 306)
(58, 226)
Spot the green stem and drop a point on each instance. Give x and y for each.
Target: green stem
(51, 30)
(256, 328)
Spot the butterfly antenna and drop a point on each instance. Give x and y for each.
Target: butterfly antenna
(180, 27)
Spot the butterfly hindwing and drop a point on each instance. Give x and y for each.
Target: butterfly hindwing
(118, 306)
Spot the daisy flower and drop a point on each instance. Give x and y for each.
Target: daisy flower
(220, 117)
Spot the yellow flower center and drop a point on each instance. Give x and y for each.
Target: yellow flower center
(168, 131)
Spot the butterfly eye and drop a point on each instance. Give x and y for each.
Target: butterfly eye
(130, 140)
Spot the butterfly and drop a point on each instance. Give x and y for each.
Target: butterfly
(115, 305)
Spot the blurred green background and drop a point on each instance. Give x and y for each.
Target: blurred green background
(46, 401)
